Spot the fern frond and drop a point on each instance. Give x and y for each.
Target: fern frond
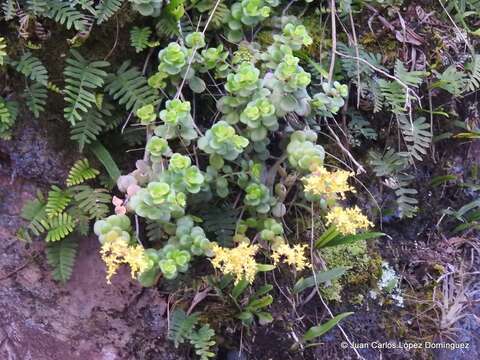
(409, 78)
(107, 8)
(129, 87)
(376, 93)
(181, 326)
(93, 202)
(80, 172)
(5, 114)
(8, 115)
(37, 7)
(220, 222)
(66, 14)
(34, 212)
(57, 201)
(221, 12)
(32, 68)
(451, 80)
(139, 38)
(393, 94)
(58, 227)
(154, 230)
(85, 5)
(387, 164)
(203, 340)
(3, 52)
(360, 127)
(61, 257)
(9, 9)
(353, 67)
(35, 98)
(90, 126)
(168, 28)
(406, 202)
(417, 136)
(81, 78)
(473, 68)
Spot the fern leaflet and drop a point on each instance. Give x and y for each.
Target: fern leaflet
(451, 80)
(81, 78)
(202, 340)
(8, 115)
(409, 78)
(94, 202)
(407, 204)
(139, 38)
(58, 227)
(57, 201)
(3, 47)
(35, 98)
(32, 67)
(129, 87)
(90, 126)
(387, 164)
(37, 7)
(34, 212)
(80, 172)
(473, 68)
(9, 9)
(417, 136)
(181, 326)
(66, 14)
(107, 8)
(221, 222)
(61, 257)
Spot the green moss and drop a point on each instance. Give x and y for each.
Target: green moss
(362, 267)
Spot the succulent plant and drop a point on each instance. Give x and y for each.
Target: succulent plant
(222, 140)
(195, 40)
(173, 59)
(259, 116)
(247, 12)
(177, 121)
(113, 227)
(271, 229)
(295, 36)
(258, 198)
(183, 176)
(303, 153)
(158, 147)
(146, 114)
(214, 58)
(147, 7)
(331, 100)
(159, 201)
(244, 81)
(188, 241)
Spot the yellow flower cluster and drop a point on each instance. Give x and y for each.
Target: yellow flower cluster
(348, 221)
(328, 184)
(294, 256)
(239, 262)
(116, 252)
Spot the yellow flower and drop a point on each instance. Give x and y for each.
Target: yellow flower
(328, 184)
(112, 252)
(116, 252)
(348, 221)
(136, 259)
(294, 256)
(239, 262)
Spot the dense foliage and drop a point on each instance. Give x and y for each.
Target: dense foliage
(250, 120)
